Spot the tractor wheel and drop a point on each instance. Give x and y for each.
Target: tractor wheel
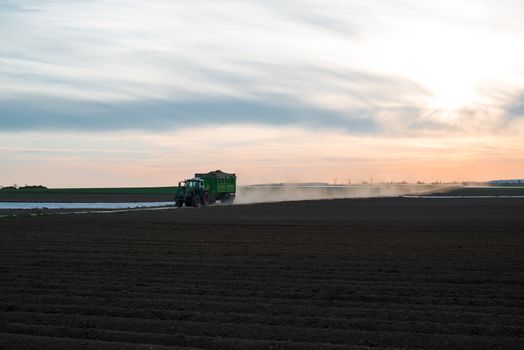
(206, 199)
(179, 203)
(196, 201)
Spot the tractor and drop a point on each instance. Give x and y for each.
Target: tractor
(205, 189)
(192, 193)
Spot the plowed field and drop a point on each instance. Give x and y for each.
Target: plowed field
(342, 274)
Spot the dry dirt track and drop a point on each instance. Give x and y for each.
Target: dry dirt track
(340, 274)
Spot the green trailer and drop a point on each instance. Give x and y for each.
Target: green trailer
(206, 188)
(221, 186)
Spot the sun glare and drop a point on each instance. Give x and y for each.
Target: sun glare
(450, 92)
(448, 62)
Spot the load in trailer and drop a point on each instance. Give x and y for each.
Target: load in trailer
(206, 188)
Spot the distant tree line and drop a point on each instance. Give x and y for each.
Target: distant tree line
(512, 182)
(26, 187)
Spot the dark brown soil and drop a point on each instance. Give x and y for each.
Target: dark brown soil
(341, 274)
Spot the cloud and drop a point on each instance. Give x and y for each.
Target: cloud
(516, 108)
(57, 114)
(377, 67)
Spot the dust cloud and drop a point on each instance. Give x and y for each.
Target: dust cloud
(281, 193)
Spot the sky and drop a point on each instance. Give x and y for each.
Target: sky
(148, 92)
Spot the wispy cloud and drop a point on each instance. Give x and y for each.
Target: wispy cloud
(375, 67)
(58, 114)
(516, 107)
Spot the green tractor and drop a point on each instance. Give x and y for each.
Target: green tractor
(192, 193)
(206, 188)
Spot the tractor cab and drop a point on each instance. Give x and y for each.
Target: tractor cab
(191, 193)
(191, 183)
(194, 183)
